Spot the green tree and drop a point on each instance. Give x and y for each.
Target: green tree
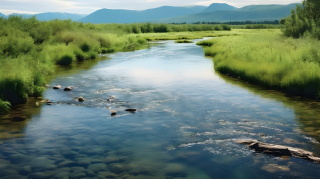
(304, 20)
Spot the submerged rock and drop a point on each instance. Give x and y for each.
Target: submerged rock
(131, 110)
(116, 168)
(80, 99)
(279, 150)
(57, 87)
(69, 88)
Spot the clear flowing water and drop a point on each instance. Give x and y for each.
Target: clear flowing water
(186, 125)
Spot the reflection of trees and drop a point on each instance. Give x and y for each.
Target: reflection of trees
(13, 124)
(306, 110)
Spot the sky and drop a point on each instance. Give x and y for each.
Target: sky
(88, 6)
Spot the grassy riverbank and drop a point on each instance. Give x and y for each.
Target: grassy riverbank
(267, 58)
(31, 49)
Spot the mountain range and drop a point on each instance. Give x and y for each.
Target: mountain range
(51, 15)
(131, 16)
(253, 13)
(216, 12)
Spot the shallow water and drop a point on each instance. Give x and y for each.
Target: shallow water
(187, 121)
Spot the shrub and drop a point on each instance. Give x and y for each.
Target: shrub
(106, 50)
(4, 107)
(66, 59)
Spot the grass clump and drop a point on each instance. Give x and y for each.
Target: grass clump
(4, 107)
(183, 41)
(267, 58)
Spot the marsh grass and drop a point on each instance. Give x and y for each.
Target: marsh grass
(267, 58)
(183, 41)
(31, 49)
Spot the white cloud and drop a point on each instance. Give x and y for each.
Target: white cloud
(7, 12)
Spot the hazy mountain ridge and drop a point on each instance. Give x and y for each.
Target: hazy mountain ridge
(2, 15)
(253, 12)
(219, 6)
(131, 16)
(168, 14)
(51, 16)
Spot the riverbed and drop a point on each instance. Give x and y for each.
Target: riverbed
(187, 122)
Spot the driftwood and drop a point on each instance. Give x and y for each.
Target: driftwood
(279, 150)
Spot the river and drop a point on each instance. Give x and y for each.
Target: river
(187, 122)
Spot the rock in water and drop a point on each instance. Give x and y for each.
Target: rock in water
(111, 98)
(280, 150)
(80, 99)
(49, 103)
(57, 87)
(68, 88)
(131, 110)
(113, 113)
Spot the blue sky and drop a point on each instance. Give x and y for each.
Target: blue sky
(89, 6)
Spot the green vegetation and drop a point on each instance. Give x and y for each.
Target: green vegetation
(31, 49)
(267, 58)
(183, 41)
(305, 20)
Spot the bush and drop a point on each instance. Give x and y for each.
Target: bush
(79, 55)
(4, 107)
(66, 59)
(106, 50)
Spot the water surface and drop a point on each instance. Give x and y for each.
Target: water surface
(187, 121)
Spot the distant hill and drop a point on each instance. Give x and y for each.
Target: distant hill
(131, 16)
(253, 13)
(219, 6)
(52, 15)
(57, 15)
(2, 15)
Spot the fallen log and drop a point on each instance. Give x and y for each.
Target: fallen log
(280, 150)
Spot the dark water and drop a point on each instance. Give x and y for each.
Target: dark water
(188, 120)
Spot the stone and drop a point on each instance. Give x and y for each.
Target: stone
(41, 163)
(69, 88)
(49, 103)
(26, 170)
(62, 174)
(111, 159)
(90, 173)
(131, 110)
(111, 98)
(78, 175)
(80, 99)
(107, 175)
(57, 87)
(98, 167)
(18, 158)
(66, 163)
(40, 175)
(113, 112)
(79, 169)
(116, 168)
(280, 150)
(272, 168)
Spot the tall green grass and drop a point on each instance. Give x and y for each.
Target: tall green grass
(267, 58)
(30, 49)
